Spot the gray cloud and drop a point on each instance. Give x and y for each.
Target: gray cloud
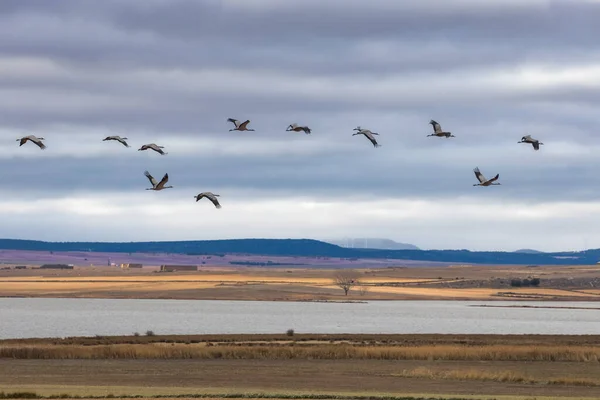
(300, 36)
(172, 72)
(359, 171)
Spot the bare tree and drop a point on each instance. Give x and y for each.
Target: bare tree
(363, 289)
(346, 280)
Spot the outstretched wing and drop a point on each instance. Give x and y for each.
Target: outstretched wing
(436, 127)
(209, 195)
(163, 181)
(369, 136)
(156, 148)
(479, 175)
(526, 138)
(243, 124)
(213, 199)
(121, 140)
(306, 129)
(151, 178)
(40, 144)
(494, 178)
(234, 121)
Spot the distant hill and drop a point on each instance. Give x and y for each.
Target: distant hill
(372, 243)
(308, 248)
(529, 251)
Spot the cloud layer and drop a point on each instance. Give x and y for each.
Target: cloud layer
(172, 72)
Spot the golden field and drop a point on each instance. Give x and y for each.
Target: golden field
(306, 284)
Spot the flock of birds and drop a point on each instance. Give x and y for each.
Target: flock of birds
(243, 126)
(438, 132)
(156, 185)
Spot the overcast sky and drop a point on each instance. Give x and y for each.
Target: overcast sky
(172, 72)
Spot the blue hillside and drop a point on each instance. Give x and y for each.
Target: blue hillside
(307, 248)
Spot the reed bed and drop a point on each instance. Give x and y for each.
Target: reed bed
(498, 376)
(291, 351)
(366, 339)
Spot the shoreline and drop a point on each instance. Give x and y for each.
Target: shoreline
(528, 306)
(309, 339)
(334, 301)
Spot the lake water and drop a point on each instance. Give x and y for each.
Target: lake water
(35, 317)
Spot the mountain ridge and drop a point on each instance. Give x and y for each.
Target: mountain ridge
(530, 251)
(371, 243)
(307, 248)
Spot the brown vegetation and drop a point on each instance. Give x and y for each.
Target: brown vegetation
(315, 347)
(289, 351)
(304, 365)
(301, 378)
(308, 284)
(498, 376)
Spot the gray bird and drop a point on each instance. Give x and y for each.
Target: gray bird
(32, 139)
(118, 139)
(157, 185)
(534, 142)
(368, 134)
(482, 179)
(154, 147)
(294, 127)
(209, 195)
(239, 126)
(437, 131)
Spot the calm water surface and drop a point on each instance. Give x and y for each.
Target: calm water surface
(25, 317)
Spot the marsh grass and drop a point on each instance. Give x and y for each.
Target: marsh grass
(371, 339)
(498, 376)
(267, 351)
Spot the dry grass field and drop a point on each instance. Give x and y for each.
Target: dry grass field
(307, 284)
(307, 366)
